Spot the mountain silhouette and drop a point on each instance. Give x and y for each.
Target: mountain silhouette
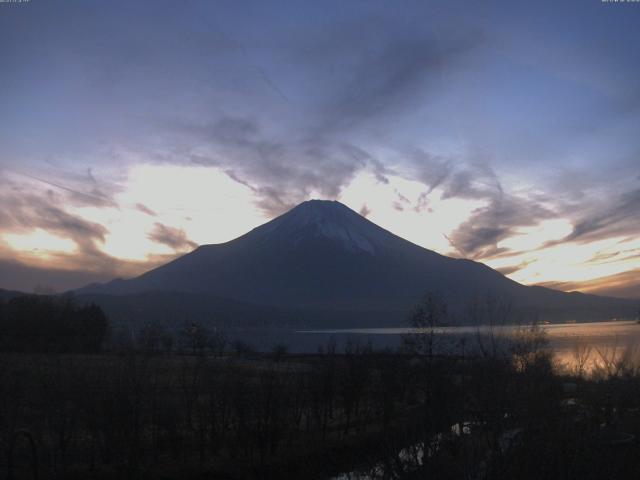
(9, 294)
(323, 256)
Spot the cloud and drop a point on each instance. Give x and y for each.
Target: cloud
(432, 170)
(618, 215)
(391, 75)
(146, 210)
(508, 270)
(602, 257)
(475, 180)
(478, 237)
(514, 268)
(374, 66)
(281, 173)
(172, 237)
(18, 276)
(625, 285)
(71, 273)
(619, 218)
(498, 219)
(94, 196)
(23, 211)
(362, 157)
(313, 144)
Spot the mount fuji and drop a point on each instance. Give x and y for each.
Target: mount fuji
(321, 263)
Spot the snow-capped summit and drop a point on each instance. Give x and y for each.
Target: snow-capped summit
(331, 220)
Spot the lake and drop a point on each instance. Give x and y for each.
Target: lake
(573, 344)
(584, 345)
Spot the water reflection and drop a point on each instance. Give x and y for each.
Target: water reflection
(578, 348)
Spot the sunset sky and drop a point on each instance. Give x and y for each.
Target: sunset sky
(507, 132)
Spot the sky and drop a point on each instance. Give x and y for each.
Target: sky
(507, 132)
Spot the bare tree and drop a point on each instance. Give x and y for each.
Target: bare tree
(197, 337)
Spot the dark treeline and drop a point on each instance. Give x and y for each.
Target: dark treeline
(224, 411)
(38, 323)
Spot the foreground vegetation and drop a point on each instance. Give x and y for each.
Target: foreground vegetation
(205, 409)
(265, 416)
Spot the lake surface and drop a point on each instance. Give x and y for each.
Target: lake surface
(588, 345)
(573, 344)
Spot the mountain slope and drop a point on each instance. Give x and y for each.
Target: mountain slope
(9, 294)
(322, 255)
